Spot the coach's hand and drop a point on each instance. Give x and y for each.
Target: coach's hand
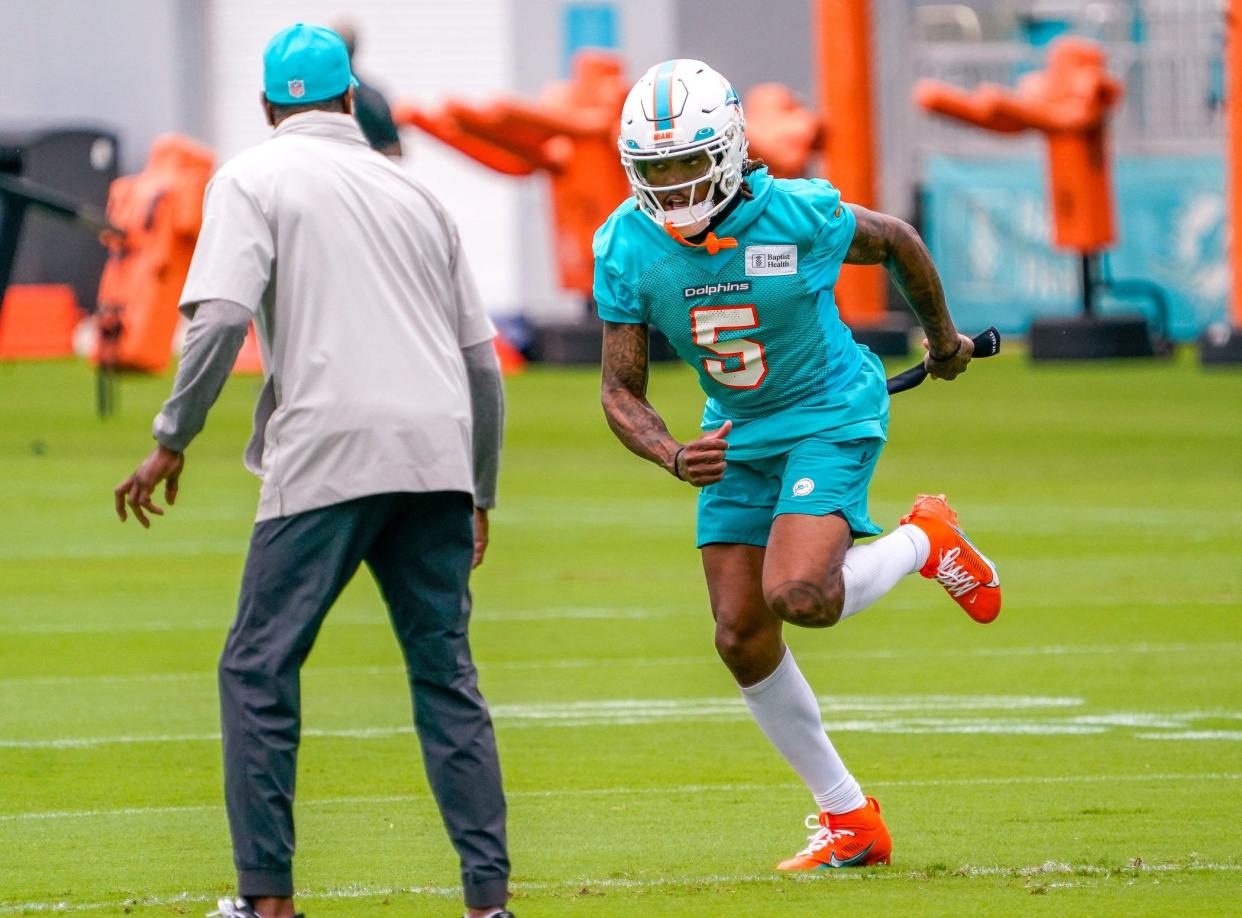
(136, 490)
(702, 461)
(953, 363)
(480, 537)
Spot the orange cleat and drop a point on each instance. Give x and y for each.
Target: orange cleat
(954, 562)
(858, 838)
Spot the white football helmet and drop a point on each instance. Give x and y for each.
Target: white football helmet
(680, 108)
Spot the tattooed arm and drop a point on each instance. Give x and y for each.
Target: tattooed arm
(624, 396)
(881, 239)
(623, 393)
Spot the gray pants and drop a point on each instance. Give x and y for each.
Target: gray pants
(418, 547)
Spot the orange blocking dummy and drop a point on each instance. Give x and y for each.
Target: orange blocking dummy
(37, 322)
(570, 134)
(1070, 102)
(159, 213)
(780, 130)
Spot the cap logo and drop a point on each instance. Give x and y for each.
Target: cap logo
(297, 89)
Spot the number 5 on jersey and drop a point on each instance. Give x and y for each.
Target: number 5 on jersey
(706, 324)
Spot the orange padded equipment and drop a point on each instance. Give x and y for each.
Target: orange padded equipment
(511, 359)
(37, 322)
(1233, 102)
(1070, 103)
(780, 131)
(570, 134)
(843, 57)
(159, 213)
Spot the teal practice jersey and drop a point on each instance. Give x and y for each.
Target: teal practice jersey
(758, 322)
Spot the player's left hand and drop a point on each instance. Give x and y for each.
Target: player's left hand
(951, 367)
(702, 460)
(480, 537)
(161, 465)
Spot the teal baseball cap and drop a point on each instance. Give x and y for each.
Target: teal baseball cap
(305, 63)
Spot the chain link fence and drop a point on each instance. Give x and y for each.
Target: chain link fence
(1169, 53)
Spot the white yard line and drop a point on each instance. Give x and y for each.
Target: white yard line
(148, 548)
(488, 615)
(222, 625)
(894, 714)
(1228, 735)
(673, 790)
(965, 872)
(607, 711)
(703, 660)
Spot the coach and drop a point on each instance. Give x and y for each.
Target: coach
(380, 419)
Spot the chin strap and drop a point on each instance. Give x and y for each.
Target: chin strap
(712, 243)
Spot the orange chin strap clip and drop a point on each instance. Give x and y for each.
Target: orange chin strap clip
(712, 243)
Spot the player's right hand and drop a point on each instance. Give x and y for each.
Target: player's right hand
(702, 461)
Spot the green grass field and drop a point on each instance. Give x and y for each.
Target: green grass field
(1081, 756)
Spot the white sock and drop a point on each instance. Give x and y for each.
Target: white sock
(785, 709)
(871, 570)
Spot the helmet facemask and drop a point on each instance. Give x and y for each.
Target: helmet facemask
(707, 193)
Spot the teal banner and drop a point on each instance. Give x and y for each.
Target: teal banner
(586, 25)
(989, 227)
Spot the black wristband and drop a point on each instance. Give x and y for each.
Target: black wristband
(957, 350)
(676, 457)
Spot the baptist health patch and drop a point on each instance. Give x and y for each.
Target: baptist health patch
(771, 260)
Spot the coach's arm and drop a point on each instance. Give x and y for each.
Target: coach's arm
(213, 340)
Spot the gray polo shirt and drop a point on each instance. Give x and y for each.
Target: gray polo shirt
(363, 302)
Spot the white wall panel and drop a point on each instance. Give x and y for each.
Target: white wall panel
(416, 49)
(116, 66)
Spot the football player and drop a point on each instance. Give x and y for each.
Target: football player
(737, 270)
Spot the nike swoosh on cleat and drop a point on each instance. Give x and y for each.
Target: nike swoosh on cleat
(855, 861)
